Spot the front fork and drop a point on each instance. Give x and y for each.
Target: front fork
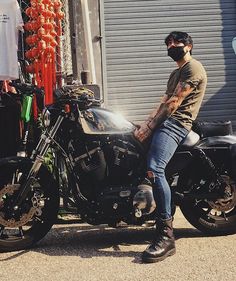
(38, 158)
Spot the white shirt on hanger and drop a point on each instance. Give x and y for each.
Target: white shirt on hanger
(10, 23)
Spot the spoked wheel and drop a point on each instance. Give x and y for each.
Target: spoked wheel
(216, 217)
(21, 228)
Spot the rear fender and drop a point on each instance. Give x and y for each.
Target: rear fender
(221, 149)
(221, 153)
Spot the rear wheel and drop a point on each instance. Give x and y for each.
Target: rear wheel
(216, 217)
(21, 228)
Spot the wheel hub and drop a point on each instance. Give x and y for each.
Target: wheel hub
(26, 215)
(229, 202)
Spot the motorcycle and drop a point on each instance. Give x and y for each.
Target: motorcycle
(98, 168)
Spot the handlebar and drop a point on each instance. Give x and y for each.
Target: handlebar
(27, 89)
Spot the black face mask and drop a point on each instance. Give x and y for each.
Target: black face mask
(176, 53)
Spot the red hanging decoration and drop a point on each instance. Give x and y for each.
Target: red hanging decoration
(45, 30)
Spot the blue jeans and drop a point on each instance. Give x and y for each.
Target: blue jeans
(163, 146)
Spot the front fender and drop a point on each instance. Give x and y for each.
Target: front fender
(15, 160)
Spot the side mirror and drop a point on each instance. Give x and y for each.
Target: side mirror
(234, 44)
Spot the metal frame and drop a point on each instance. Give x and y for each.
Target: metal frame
(103, 52)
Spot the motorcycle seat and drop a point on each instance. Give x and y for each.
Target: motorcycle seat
(190, 140)
(212, 128)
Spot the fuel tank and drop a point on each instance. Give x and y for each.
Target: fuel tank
(101, 121)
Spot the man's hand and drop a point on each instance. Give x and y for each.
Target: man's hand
(143, 132)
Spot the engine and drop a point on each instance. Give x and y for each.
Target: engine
(109, 174)
(105, 163)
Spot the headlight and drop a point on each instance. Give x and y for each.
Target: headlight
(46, 117)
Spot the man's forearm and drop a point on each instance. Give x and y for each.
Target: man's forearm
(156, 111)
(169, 106)
(164, 111)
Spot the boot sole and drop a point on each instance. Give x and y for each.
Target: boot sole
(157, 259)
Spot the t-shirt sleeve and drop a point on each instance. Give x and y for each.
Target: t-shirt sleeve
(191, 74)
(19, 20)
(168, 92)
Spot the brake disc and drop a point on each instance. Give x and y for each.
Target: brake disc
(9, 190)
(229, 202)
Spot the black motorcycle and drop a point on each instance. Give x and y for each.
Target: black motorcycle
(98, 167)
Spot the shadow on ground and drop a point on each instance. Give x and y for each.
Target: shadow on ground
(88, 241)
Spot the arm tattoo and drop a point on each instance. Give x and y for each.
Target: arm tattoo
(163, 113)
(168, 107)
(183, 86)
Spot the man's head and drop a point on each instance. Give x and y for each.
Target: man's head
(179, 40)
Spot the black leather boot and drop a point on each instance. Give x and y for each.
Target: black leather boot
(163, 244)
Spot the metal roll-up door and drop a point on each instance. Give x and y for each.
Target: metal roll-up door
(137, 66)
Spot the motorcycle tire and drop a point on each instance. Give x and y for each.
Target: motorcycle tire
(212, 217)
(36, 214)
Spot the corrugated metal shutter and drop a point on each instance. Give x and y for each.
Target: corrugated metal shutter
(136, 59)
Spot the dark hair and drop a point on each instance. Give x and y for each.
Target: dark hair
(181, 37)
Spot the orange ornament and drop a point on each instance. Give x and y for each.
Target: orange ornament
(48, 26)
(34, 3)
(47, 38)
(46, 13)
(30, 68)
(28, 54)
(28, 26)
(34, 25)
(41, 32)
(41, 45)
(34, 52)
(32, 39)
(53, 43)
(41, 20)
(60, 15)
(28, 11)
(41, 7)
(47, 2)
(34, 13)
(53, 33)
(57, 4)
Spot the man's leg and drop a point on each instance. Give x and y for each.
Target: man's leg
(164, 143)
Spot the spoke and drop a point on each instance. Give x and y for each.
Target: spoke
(1, 230)
(211, 212)
(38, 219)
(223, 212)
(197, 202)
(13, 178)
(201, 203)
(208, 211)
(21, 232)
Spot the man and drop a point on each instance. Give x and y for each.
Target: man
(168, 125)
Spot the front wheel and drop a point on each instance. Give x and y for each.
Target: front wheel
(216, 217)
(21, 228)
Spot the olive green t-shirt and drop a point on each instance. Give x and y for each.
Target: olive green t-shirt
(194, 74)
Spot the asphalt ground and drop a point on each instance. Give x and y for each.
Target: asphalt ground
(87, 253)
